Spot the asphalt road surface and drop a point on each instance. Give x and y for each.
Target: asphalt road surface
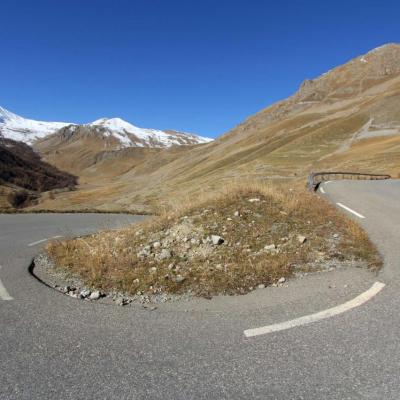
(56, 347)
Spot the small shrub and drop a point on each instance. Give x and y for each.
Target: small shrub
(18, 199)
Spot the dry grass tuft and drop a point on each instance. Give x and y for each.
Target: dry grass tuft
(174, 253)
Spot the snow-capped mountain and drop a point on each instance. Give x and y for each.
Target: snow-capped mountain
(25, 130)
(132, 136)
(29, 131)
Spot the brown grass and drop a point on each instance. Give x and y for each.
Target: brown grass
(110, 260)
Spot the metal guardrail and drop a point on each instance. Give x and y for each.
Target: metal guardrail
(316, 178)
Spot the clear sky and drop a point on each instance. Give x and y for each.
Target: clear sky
(199, 66)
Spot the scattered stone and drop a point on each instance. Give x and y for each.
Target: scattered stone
(282, 280)
(219, 267)
(229, 219)
(254, 200)
(120, 301)
(271, 249)
(236, 214)
(143, 253)
(216, 240)
(335, 235)
(179, 279)
(95, 295)
(301, 239)
(156, 245)
(261, 286)
(165, 254)
(84, 293)
(153, 270)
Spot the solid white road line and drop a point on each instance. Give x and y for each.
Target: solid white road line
(350, 210)
(43, 240)
(330, 312)
(3, 292)
(322, 190)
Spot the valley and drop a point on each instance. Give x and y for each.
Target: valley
(346, 119)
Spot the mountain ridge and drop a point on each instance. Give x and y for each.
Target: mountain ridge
(15, 127)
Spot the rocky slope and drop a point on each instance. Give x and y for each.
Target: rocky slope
(345, 82)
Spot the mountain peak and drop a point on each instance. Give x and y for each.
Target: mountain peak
(6, 115)
(353, 77)
(116, 123)
(20, 129)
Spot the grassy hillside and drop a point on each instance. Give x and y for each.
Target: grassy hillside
(347, 119)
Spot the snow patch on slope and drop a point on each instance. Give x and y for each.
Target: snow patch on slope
(132, 136)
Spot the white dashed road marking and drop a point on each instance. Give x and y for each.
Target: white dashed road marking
(330, 312)
(350, 210)
(43, 240)
(35, 243)
(3, 292)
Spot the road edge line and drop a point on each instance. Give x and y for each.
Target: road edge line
(328, 313)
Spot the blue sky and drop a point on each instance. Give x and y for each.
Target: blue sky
(199, 66)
